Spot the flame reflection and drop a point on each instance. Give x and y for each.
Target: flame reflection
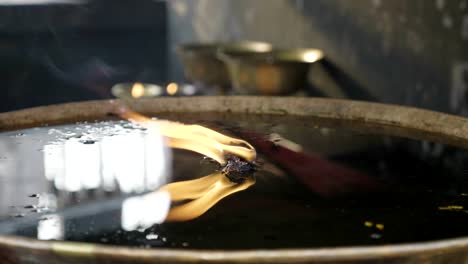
(200, 195)
(194, 137)
(204, 192)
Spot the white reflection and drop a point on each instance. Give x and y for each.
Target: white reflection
(142, 212)
(312, 56)
(124, 161)
(51, 228)
(285, 143)
(153, 89)
(54, 163)
(129, 162)
(46, 202)
(81, 166)
(189, 89)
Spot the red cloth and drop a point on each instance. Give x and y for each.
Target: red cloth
(322, 176)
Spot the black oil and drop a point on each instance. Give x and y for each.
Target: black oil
(316, 186)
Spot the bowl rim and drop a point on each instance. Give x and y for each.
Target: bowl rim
(297, 56)
(351, 253)
(380, 118)
(213, 47)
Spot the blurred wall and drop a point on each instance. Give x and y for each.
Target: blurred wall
(61, 52)
(406, 52)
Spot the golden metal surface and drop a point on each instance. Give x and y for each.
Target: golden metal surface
(278, 72)
(201, 64)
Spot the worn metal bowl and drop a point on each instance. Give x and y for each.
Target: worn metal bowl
(361, 116)
(280, 72)
(202, 66)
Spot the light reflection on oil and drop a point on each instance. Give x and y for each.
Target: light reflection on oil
(135, 162)
(82, 161)
(130, 162)
(51, 228)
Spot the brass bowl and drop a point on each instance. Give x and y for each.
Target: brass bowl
(280, 72)
(201, 64)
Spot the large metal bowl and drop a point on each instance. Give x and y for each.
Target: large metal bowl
(279, 72)
(202, 66)
(361, 116)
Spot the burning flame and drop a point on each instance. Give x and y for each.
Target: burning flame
(194, 138)
(172, 88)
(204, 193)
(138, 90)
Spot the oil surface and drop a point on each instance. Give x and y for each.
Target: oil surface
(316, 186)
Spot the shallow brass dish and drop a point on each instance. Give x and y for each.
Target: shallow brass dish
(202, 66)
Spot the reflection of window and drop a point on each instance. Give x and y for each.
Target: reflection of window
(50, 228)
(135, 213)
(132, 162)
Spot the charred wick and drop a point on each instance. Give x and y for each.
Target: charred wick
(237, 169)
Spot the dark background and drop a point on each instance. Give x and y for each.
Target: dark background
(70, 52)
(404, 52)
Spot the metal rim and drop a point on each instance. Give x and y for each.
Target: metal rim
(374, 117)
(212, 47)
(388, 119)
(271, 256)
(300, 56)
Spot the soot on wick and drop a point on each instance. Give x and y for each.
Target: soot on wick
(237, 169)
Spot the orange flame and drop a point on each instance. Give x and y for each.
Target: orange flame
(194, 138)
(204, 193)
